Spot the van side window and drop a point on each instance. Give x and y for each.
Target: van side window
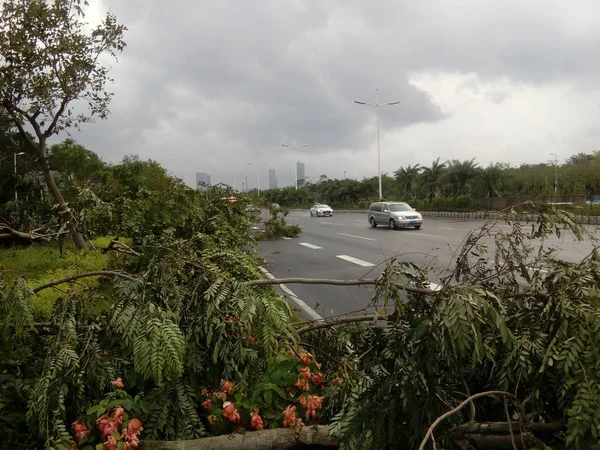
(385, 208)
(375, 207)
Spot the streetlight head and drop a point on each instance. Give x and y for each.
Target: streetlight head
(20, 153)
(284, 145)
(360, 103)
(305, 145)
(393, 103)
(250, 164)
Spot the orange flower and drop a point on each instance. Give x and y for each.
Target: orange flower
(117, 415)
(317, 379)
(289, 416)
(207, 404)
(134, 427)
(312, 403)
(212, 419)
(305, 372)
(337, 380)
(230, 412)
(221, 396)
(256, 421)
(302, 384)
(204, 393)
(80, 429)
(111, 443)
(106, 425)
(252, 338)
(73, 446)
(305, 357)
(118, 383)
(227, 386)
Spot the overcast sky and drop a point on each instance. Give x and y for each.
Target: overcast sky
(206, 86)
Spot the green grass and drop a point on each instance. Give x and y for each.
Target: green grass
(41, 263)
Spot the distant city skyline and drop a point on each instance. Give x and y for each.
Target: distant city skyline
(272, 179)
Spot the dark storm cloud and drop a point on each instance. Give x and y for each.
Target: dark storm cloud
(251, 74)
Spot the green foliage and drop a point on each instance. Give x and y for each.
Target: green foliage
(528, 323)
(276, 225)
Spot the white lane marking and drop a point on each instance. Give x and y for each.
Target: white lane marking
(291, 218)
(306, 244)
(453, 229)
(357, 237)
(428, 235)
(311, 313)
(360, 262)
(434, 286)
(332, 223)
(286, 238)
(255, 228)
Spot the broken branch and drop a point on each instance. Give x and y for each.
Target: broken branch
(342, 320)
(83, 275)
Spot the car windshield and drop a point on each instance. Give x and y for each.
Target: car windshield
(397, 207)
(322, 206)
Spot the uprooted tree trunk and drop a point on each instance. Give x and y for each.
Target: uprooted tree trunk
(314, 437)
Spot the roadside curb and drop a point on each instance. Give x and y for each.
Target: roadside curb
(586, 220)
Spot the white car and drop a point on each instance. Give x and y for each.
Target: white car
(321, 210)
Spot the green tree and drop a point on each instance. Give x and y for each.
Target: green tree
(433, 178)
(50, 61)
(407, 177)
(492, 177)
(460, 175)
(77, 162)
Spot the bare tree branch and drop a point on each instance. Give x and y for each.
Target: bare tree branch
(57, 116)
(331, 323)
(84, 275)
(461, 406)
(335, 282)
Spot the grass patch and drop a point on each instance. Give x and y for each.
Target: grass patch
(41, 263)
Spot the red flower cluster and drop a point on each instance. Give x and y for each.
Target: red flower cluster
(255, 420)
(230, 412)
(305, 357)
(118, 383)
(227, 387)
(80, 429)
(290, 419)
(311, 403)
(108, 425)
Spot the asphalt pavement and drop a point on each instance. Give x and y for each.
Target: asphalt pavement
(346, 247)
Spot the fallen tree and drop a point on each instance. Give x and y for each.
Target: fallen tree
(313, 437)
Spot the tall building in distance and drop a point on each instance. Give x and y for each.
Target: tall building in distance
(202, 177)
(272, 179)
(300, 173)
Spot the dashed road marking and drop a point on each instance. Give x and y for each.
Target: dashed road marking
(351, 259)
(428, 235)
(286, 238)
(357, 237)
(311, 313)
(434, 286)
(291, 218)
(332, 223)
(306, 244)
(453, 229)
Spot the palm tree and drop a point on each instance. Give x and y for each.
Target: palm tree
(461, 173)
(492, 177)
(433, 178)
(407, 177)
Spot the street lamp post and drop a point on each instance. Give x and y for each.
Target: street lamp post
(295, 147)
(257, 165)
(234, 175)
(555, 174)
(377, 105)
(15, 166)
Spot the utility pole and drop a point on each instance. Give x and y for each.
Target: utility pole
(344, 174)
(295, 147)
(377, 105)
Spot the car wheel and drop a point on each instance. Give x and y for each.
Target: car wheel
(372, 222)
(392, 224)
(417, 227)
(311, 214)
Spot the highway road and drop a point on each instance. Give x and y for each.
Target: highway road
(346, 247)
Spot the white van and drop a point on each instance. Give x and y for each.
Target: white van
(394, 215)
